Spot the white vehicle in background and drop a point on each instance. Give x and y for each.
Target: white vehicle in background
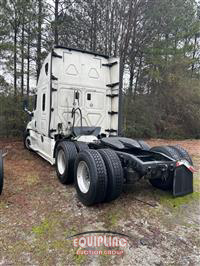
(75, 126)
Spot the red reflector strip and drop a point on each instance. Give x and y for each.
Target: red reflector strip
(178, 164)
(192, 169)
(186, 164)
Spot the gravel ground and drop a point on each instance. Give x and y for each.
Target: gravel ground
(37, 214)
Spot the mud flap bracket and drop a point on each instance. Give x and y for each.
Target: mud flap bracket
(183, 181)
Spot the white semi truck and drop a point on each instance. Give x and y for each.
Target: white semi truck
(74, 125)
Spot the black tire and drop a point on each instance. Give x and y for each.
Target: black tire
(144, 145)
(166, 150)
(114, 172)
(160, 182)
(1, 173)
(81, 146)
(183, 153)
(26, 141)
(97, 175)
(65, 157)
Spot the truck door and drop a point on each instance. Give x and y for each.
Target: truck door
(44, 99)
(41, 114)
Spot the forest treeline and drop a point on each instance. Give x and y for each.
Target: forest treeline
(157, 41)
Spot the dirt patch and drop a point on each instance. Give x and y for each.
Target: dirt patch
(38, 213)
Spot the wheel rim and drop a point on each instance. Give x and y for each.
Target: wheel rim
(83, 177)
(28, 142)
(61, 163)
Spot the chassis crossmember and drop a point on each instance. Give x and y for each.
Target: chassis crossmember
(136, 167)
(138, 163)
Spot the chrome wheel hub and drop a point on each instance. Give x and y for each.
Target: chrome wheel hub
(61, 164)
(83, 177)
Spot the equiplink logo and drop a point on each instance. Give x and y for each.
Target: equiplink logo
(110, 242)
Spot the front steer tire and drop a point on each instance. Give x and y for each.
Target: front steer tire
(1, 173)
(114, 172)
(65, 157)
(26, 140)
(160, 182)
(90, 177)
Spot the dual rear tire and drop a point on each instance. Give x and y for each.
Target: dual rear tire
(65, 157)
(97, 174)
(90, 177)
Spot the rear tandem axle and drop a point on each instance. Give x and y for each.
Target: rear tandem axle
(102, 167)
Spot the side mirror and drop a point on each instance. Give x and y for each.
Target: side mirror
(25, 104)
(25, 107)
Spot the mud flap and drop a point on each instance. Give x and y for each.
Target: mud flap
(183, 181)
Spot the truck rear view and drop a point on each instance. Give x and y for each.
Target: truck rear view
(75, 126)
